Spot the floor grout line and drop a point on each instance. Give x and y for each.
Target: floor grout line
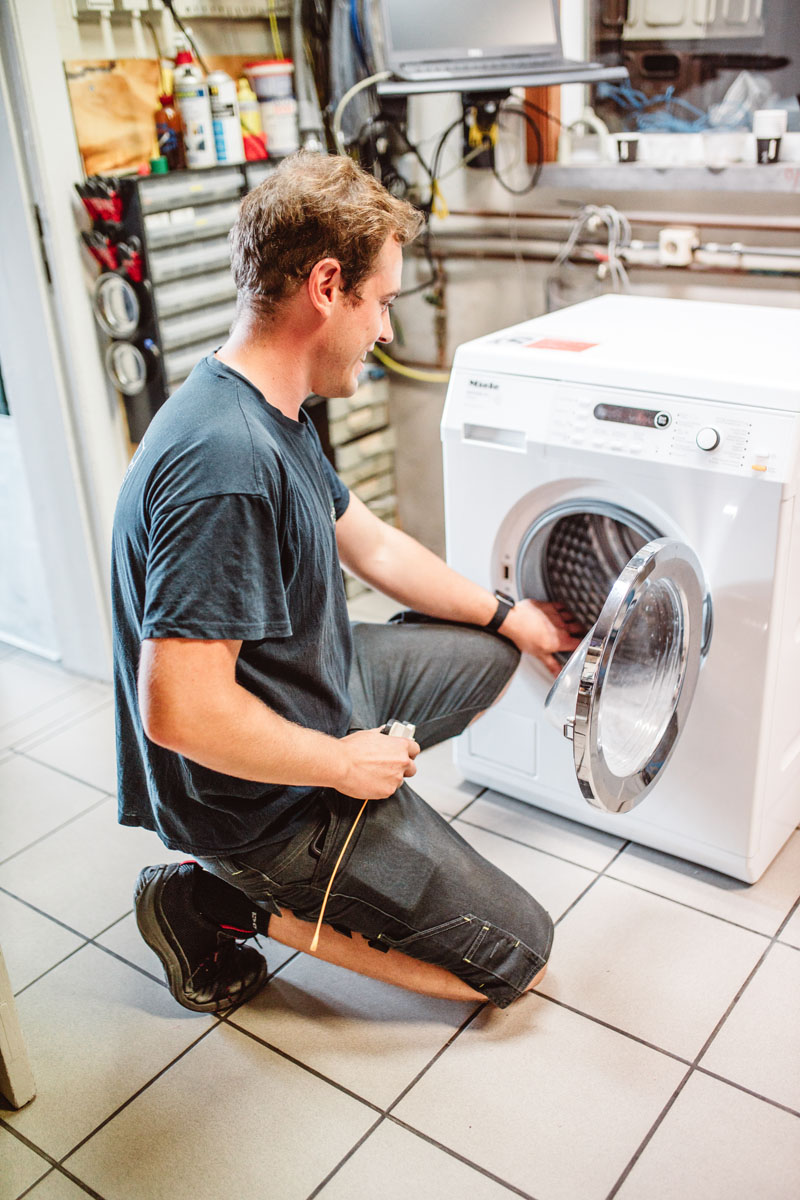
(468, 1162)
(37, 736)
(695, 1065)
(67, 774)
(216, 1022)
(353, 1150)
(340, 1087)
(57, 828)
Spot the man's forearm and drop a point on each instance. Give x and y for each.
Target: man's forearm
(418, 578)
(238, 735)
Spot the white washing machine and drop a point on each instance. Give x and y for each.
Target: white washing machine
(636, 460)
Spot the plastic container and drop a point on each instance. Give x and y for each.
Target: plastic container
(169, 132)
(272, 78)
(225, 118)
(272, 82)
(191, 96)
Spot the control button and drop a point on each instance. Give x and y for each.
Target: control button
(760, 460)
(707, 439)
(662, 420)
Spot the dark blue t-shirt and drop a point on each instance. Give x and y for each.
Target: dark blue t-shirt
(226, 528)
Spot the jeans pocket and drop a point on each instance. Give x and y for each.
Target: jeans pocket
(486, 957)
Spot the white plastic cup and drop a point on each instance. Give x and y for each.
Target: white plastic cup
(769, 126)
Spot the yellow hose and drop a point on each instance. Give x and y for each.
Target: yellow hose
(411, 372)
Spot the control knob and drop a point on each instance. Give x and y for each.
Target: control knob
(708, 438)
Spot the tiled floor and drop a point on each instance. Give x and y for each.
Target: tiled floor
(659, 1061)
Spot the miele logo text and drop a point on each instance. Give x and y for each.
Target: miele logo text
(484, 383)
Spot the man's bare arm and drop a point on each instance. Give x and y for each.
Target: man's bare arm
(398, 565)
(191, 704)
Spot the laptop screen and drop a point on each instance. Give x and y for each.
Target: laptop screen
(419, 29)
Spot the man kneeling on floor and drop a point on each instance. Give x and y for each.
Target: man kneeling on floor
(249, 711)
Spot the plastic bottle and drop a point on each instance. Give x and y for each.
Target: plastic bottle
(169, 132)
(225, 118)
(255, 144)
(191, 96)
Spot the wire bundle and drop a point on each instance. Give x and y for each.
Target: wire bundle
(590, 219)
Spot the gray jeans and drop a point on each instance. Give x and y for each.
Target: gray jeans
(408, 879)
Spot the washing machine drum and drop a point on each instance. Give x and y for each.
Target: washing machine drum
(624, 694)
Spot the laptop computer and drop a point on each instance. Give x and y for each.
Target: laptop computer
(478, 45)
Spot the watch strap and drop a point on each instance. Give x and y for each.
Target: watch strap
(504, 605)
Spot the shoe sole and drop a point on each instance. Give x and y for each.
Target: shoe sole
(146, 903)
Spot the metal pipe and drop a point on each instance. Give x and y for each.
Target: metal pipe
(702, 220)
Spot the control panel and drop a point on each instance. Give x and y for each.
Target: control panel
(696, 433)
(512, 411)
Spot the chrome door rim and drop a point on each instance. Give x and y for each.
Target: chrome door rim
(665, 559)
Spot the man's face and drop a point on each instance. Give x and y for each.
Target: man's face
(356, 325)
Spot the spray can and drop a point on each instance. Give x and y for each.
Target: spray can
(191, 96)
(225, 118)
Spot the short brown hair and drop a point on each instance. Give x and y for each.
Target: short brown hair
(313, 206)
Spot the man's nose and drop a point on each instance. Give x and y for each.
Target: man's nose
(387, 333)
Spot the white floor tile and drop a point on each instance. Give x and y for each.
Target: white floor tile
(545, 831)
(31, 943)
(548, 1101)
(759, 1044)
(230, 1119)
(27, 684)
(551, 881)
(760, 906)
(439, 781)
(96, 1031)
(791, 933)
(84, 698)
(649, 966)
(21, 1167)
(84, 873)
(368, 1036)
(56, 1187)
(35, 799)
(407, 1166)
(718, 1143)
(85, 749)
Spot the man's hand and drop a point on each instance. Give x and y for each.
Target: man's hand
(542, 630)
(375, 765)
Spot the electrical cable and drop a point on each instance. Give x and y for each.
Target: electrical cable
(338, 140)
(618, 230)
(410, 372)
(162, 78)
(526, 103)
(273, 28)
(537, 168)
(168, 4)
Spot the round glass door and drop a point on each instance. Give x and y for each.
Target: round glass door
(623, 696)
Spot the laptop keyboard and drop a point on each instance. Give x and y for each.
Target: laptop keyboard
(482, 66)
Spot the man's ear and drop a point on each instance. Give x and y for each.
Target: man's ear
(324, 284)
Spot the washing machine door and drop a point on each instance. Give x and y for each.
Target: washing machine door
(623, 697)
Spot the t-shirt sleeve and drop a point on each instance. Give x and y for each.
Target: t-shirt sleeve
(214, 571)
(339, 493)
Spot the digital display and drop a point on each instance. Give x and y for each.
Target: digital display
(650, 418)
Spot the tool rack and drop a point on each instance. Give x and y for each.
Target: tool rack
(166, 237)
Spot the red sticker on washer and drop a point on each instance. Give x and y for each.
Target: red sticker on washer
(559, 344)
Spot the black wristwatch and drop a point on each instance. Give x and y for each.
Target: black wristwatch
(504, 607)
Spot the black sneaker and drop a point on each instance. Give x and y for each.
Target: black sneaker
(207, 970)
